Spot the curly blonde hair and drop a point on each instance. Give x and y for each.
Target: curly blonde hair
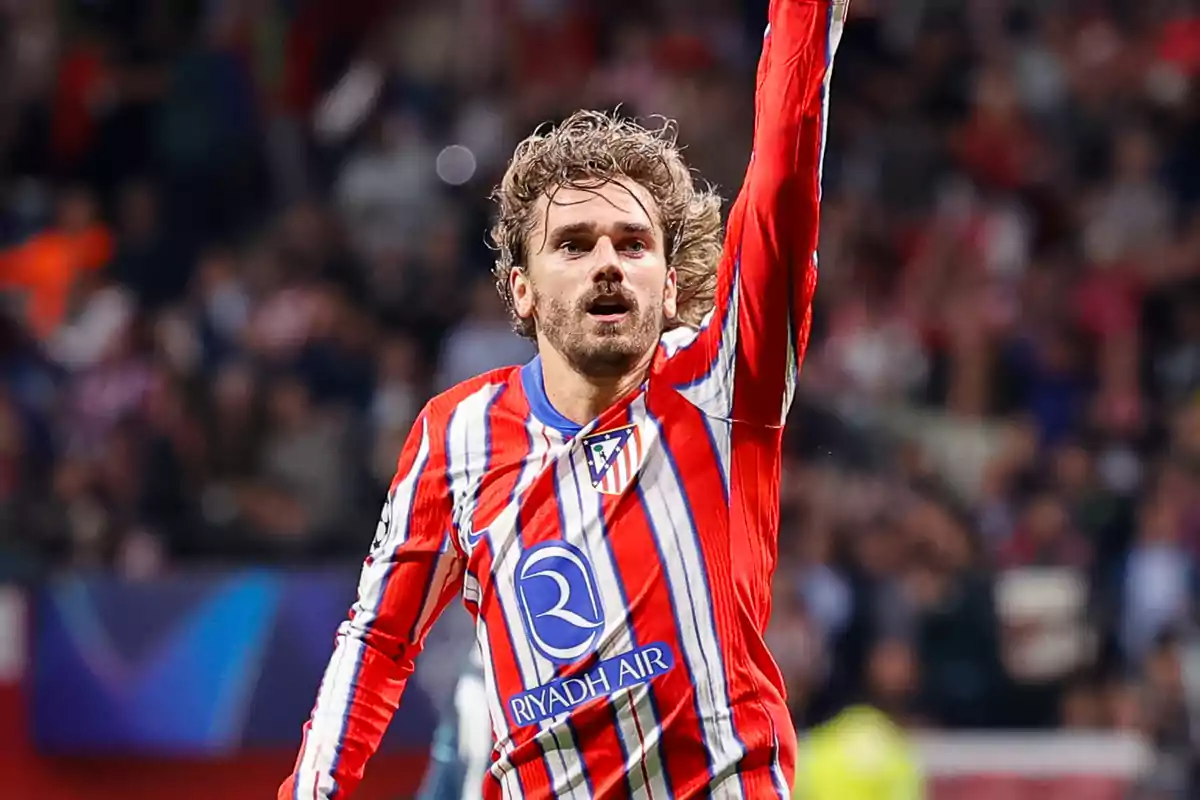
(594, 146)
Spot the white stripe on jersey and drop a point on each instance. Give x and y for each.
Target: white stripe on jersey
(833, 37)
(712, 392)
(556, 740)
(471, 591)
(566, 772)
(793, 363)
(676, 339)
(720, 436)
(467, 455)
(583, 524)
(466, 460)
(687, 581)
(501, 769)
(777, 776)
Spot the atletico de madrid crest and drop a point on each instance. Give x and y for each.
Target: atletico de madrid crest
(613, 458)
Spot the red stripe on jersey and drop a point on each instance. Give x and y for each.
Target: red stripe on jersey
(598, 744)
(739, 561)
(524, 754)
(653, 619)
(508, 437)
(509, 449)
(704, 497)
(385, 645)
(428, 513)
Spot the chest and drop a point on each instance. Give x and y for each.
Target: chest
(631, 476)
(538, 483)
(581, 544)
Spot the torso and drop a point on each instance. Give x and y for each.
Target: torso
(619, 575)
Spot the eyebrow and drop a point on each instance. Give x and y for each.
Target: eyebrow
(580, 228)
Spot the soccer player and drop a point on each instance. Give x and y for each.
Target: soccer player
(609, 511)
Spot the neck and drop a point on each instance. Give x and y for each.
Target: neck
(581, 398)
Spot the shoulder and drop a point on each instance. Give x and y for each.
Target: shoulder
(681, 337)
(472, 397)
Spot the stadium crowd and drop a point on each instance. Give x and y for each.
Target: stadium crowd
(243, 241)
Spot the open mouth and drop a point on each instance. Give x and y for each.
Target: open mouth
(608, 308)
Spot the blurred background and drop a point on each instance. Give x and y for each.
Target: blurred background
(242, 242)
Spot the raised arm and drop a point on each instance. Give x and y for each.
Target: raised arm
(411, 574)
(742, 364)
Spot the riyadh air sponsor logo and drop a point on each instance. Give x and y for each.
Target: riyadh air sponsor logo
(563, 615)
(562, 695)
(560, 602)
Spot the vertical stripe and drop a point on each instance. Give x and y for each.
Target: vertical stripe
(605, 748)
(712, 390)
(468, 455)
(474, 727)
(641, 707)
(799, 319)
(501, 770)
(533, 670)
(777, 777)
(671, 728)
(674, 739)
(555, 736)
(720, 439)
(636, 723)
(536, 453)
(686, 575)
(469, 442)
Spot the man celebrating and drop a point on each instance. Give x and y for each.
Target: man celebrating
(609, 511)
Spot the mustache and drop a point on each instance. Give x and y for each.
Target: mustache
(608, 291)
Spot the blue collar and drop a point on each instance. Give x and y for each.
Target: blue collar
(534, 384)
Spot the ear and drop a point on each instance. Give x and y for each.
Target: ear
(522, 292)
(671, 295)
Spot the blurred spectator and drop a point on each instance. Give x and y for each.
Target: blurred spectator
(144, 260)
(483, 341)
(386, 190)
(1160, 580)
(893, 678)
(302, 486)
(395, 404)
(1044, 537)
(54, 265)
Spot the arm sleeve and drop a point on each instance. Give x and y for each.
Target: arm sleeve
(411, 574)
(742, 363)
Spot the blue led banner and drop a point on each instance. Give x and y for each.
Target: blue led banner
(205, 663)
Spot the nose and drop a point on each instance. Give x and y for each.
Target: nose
(607, 265)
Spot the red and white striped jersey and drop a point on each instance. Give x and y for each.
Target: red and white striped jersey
(618, 572)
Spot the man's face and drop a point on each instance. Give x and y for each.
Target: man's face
(597, 283)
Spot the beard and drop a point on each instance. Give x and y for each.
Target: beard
(594, 348)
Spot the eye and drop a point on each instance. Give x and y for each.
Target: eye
(573, 247)
(636, 246)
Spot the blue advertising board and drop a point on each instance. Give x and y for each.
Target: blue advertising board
(205, 663)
